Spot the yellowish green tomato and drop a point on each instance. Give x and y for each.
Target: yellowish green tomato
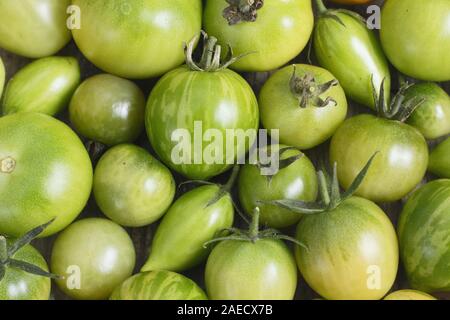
(409, 295)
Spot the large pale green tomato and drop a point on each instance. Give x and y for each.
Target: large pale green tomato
(45, 85)
(131, 187)
(244, 270)
(301, 127)
(45, 173)
(189, 113)
(20, 285)
(415, 35)
(158, 285)
(353, 251)
(424, 236)
(399, 166)
(34, 28)
(279, 33)
(95, 256)
(139, 38)
(409, 295)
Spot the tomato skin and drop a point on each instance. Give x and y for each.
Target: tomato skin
(131, 187)
(108, 109)
(439, 163)
(41, 25)
(349, 2)
(432, 117)
(137, 39)
(344, 244)
(101, 249)
(45, 85)
(183, 97)
(280, 32)
(20, 285)
(52, 176)
(175, 246)
(298, 182)
(158, 285)
(2, 76)
(303, 128)
(399, 166)
(409, 295)
(415, 35)
(353, 55)
(424, 237)
(243, 270)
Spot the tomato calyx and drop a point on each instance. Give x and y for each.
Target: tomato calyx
(400, 108)
(308, 91)
(7, 252)
(7, 165)
(330, 193)
(210, 60)
(253, 234)
(242, 10)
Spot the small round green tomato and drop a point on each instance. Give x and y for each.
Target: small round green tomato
(432, 117)
(274, 34)
(45, 85)
(409, 295)
(2, 76)
(298, 181)
(95, 256)
(299, 110)
(20, 285)
(190, 222)
(34, 28)
(399, 166)
(131, 187)
(416, 37)
(353, 251)
(245, 270)
(108, 109)
(440, 160)
(158, 285)
(139, 38)
(45, 173)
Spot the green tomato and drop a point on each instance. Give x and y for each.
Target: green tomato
(409, 295)
(400, 165)
(440, 160)
(424, 235)
(95, 256)
(188, 225)
(136, 39)
(298, 181)
(352, 53)
(245, 270)
(2, 76)
(20, 285)
(131, 187)
(302, 126)
(192, 103)
(353, 251)
(432, 117)
(272, 35)
(34, 28)
(45, 173)
(158, 285)
(108, 109)
(45, 85)
(416, 37)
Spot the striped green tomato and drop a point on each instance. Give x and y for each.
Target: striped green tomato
(20, 285)
(158, 285)
(45, 85)
(245, 270)
(353, 251)
(186, 105)
(439, 163)
(409, 295)
(424, 235)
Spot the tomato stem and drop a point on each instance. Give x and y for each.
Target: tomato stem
(242, 10)
(320, 6)
(254, 225)
(231, 181)
(3, 250)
